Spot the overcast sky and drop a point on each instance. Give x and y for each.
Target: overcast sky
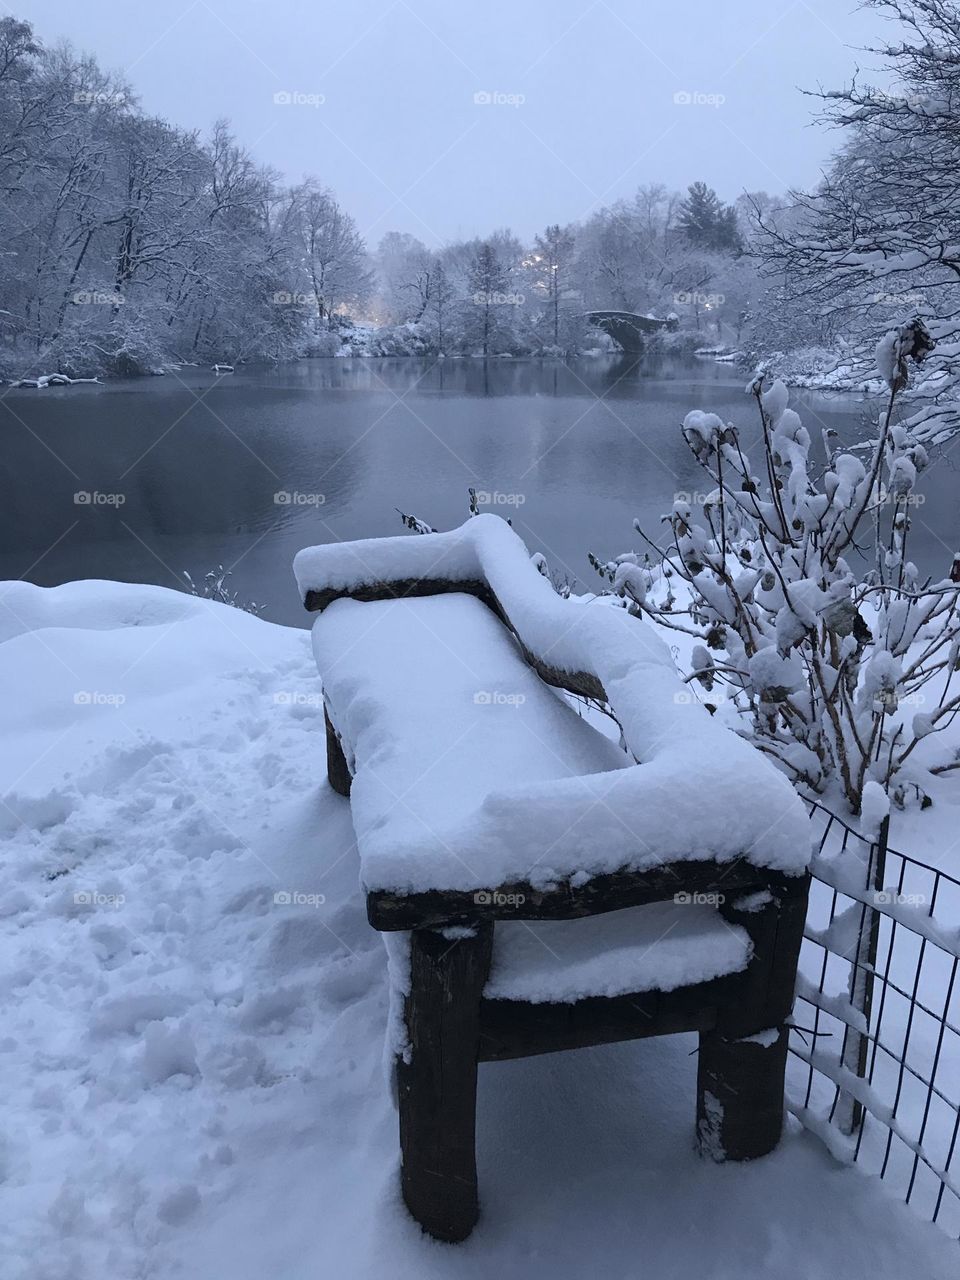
(580, 95)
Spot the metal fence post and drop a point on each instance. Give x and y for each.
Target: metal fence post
(850, 1112)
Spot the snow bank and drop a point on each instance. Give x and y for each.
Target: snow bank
(696, 791)
(93, 605)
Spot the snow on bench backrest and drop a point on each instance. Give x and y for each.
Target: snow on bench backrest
(698, 789)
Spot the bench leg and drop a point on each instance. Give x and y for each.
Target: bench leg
(740, 1094)
(337, 772)
(438, 1086)
(740, 1077)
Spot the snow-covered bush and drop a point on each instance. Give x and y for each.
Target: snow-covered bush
(823, 368)
(680, 342)
(325, 343)
(214, 587)
(821, 654)
(407, 339)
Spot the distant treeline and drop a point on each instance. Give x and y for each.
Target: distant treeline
(129, 245)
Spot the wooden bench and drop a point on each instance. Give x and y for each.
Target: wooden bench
(540, 887)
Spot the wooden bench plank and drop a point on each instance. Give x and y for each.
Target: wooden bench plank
(519, 900)
(517, 1029)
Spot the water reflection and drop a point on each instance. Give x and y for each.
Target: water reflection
(581, 449)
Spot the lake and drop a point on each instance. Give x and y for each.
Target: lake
(188, 471)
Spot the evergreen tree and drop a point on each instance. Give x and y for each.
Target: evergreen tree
(707, 222)
(442, 296)
(488, 286)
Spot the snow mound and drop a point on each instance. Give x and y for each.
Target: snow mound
(93, 605)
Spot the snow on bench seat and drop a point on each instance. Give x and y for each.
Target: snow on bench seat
(440, 711)
(653, 948)
(693, 789)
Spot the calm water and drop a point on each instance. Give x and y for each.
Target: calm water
(198, 462)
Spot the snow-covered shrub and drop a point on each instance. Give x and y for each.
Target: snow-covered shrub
(679, 342)
(325, 343)
(407, 339)
(820, 367)
(821, 657)
(214, 587)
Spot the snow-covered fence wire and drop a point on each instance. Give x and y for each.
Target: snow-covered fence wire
(875, 1049)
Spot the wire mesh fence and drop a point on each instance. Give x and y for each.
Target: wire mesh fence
(875, 1050)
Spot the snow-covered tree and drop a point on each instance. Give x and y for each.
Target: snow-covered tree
(441, 303)
(706, 221)
(407, 271)
(126, 243)
(550, 261)
(333, 255)
(879, 241)
(489, 282)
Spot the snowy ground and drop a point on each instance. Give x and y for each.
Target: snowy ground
(192, 1069)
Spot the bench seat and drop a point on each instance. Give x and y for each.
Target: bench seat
(438, 711)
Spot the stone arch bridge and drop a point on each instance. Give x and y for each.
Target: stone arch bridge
(627, 329)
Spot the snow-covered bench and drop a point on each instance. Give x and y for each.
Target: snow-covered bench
(479, 794)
